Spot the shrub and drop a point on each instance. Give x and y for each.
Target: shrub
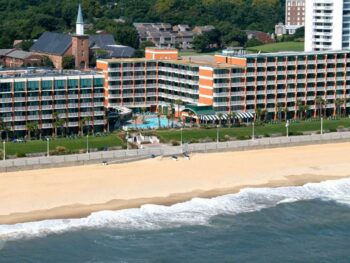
(266, 135)
(20, 155)
(60, 149)
(333, 130)
(174, 143)
(227, 138)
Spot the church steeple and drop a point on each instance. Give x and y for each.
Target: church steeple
(80, 23)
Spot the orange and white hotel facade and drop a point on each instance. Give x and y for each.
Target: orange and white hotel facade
(270, 82)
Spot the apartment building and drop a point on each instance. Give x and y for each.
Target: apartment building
(245, 83)
(27, 96)
(327, 25)
(295, 15)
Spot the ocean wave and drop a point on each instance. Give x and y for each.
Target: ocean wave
(198, 211)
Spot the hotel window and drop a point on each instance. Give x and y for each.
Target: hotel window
(46, 85)
(19, 86)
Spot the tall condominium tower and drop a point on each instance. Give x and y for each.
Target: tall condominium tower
(295, 15)
(327, 25)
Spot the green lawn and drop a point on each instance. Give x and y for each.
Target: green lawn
(278, 47)
(70, 144)
(194, 135)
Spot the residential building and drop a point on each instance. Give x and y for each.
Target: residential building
(295, 15)
(327, 24)
(14, 58)
(199, 30)
(280, 29)
(28, 96)
(163, 35)
(160, 34)
(259, 35)
(240, 83)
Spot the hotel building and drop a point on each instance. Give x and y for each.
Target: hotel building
(240, 84)
(295, 15)
(327, 25)
(34, 97)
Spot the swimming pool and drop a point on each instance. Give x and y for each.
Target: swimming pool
(152, 123)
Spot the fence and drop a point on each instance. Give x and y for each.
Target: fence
(121, 156)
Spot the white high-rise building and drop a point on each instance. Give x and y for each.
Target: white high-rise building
(327, 25)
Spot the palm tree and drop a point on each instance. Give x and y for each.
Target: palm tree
(285, 111)
(300, 105)
(87, 124)
(306, 110)
(60, 124)
(279, 111)
(318, 102)
(229, 116)
(168, 117)
(31, 127)
(2, 127)
(258, 114)
(159, 115)
(338, 103)
(264, 113)
(178, 103)
(134, 119)
(220, 118)
(55, 122)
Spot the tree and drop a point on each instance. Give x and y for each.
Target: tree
(319, 105)
(300, 105)
(338, 103)
(68, 62)
(201, 43)
(253, 42)
(178, 103)
(86, 123)
(279, 111)
(159, 115)
(26, 45)
(55, 122)
(47, 62)
(220, 118)
(31, 127)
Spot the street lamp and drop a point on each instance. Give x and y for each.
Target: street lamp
(48, 146)
(217, 134)
(181, 137)
(321, 125)
(253, 132)
(287, 127)
(127, 139)
(87, 143)
(4, 147)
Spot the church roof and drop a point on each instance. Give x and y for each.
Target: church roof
(80, 19)
(52, 43)
(101, 40)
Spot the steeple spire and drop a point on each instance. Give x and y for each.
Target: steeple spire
(80, 22)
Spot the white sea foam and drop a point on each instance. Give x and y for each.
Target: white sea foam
(198, 211)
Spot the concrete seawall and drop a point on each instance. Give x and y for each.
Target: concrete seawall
(122, 156)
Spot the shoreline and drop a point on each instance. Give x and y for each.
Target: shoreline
(81, 211)
(76, 192)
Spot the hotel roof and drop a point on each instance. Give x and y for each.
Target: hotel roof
(42, 73)
(204, 60)
(284, 54)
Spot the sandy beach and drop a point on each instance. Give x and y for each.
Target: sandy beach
(78, 191)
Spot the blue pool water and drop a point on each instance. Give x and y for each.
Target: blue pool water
(310, 223)
(152, 123)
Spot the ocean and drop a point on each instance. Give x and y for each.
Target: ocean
(310, 223)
